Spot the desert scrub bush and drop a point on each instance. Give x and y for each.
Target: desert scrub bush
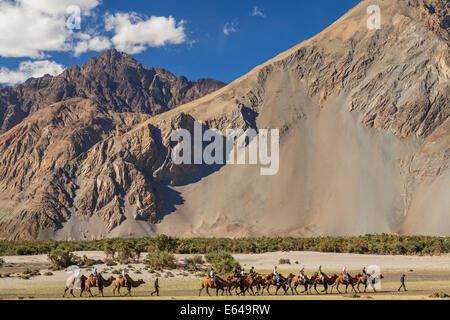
(48, 274)
(31, 273)
(2, 262)
(160, 260)
(284, 261)
(222, 261)
(62, 259)
(194, 261)
(85, 261)
(440, 294)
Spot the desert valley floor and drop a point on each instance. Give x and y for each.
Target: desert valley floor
(425, 275)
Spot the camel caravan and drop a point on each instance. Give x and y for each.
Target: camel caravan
(237, 282)
(255, 284)
(96, 280)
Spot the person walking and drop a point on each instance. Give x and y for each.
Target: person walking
(156, 288)
(402, 283)
(289, 285)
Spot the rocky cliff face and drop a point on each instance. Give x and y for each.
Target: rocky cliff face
(364, 146)
(113, 79)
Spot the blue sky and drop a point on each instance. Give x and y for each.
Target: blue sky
(218, 39)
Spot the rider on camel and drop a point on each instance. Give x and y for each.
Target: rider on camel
(344, 273)
(95, 274)
(319, 273)
(236, 274)
(302, 274)
(212, 275)
(275, 273)
(252, 272)
(124, 278)
(364, 273)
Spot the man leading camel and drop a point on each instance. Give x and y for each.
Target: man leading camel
(156, 288)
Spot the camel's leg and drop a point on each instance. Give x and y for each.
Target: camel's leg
(295, 288)
(325, 287)
(65, 290)
(359, 283)
(200, 291)
(207, 291)
(315, 288)
(306, 289)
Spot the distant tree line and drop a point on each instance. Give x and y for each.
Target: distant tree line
(129, 249)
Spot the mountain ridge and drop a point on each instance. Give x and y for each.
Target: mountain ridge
(114, 78)
(364, 147)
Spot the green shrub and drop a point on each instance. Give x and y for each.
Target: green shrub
(48, 274)
(128, 250)
(160, 260)
(62, 259)
(194, 261)
(222, 261)
(284, 261)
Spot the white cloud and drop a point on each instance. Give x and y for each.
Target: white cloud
(258, 12)
(133, 34)
(231, 27)
(31, 28)
(29, 69)
(59, 6)
(88, 43)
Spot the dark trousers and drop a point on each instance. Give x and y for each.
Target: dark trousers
(156, 291)
(402, 286)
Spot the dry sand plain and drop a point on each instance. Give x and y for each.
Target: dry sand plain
(425, 275)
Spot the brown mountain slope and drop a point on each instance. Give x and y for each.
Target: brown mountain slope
(114, 79)
(364, 146)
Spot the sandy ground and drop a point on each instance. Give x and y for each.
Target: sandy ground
(425, 275)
